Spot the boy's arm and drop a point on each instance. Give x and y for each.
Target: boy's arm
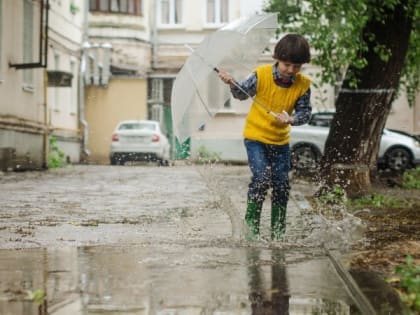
(249, 85)
(303, 109)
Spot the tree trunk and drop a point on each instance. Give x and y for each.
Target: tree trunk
(352, 146)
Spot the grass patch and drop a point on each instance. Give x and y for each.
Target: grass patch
(409, 285)
(379, 201)
(411, 179)
(205, 156)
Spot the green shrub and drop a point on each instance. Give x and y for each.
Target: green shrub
(378, 201)
(206, 156)
(411, 179)
(37, 296)
(410, 285)
(336, 195)
(56, 157)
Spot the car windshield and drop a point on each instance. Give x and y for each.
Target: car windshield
(137, 126)
(322, 120)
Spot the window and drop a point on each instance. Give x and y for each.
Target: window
(157, 112)
(157, 90)
(137, 126)
(28, 40)
(160, 90)
(56, 89)
(117, 6)
(217, 11)
(170, 12)
(73, 90)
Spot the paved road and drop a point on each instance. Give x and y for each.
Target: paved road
(160, 240)
(89, 205)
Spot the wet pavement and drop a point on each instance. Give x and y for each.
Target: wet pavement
(164, 240)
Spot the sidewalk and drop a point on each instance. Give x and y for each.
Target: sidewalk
(87, 205)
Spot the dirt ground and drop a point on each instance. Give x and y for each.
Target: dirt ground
(392, 233)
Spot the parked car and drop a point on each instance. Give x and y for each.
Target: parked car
(397, 151)
(139, 140)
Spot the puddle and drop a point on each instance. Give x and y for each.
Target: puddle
(170, 280)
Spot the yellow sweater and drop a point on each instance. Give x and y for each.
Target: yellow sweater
(262, 126)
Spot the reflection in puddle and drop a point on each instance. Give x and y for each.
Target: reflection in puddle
(169, 280)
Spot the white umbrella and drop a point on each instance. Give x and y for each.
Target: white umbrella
(198, 93)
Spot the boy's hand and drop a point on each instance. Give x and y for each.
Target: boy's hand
(226, 77)
(284, 118)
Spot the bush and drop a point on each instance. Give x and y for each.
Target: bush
(206, 156)
(411, 179)
(56, 157)
(379, 201)
(409, 285)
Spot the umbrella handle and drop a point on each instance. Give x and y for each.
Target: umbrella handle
(251, 97)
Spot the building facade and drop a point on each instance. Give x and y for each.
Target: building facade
(117, 55)
(39, 63)
(23, 113)
(66, 21)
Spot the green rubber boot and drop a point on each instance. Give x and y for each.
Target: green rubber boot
(278, 222)
(252, 219)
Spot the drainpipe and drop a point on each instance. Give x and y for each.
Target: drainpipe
(154, 34)
(81, 81)
(46, 136)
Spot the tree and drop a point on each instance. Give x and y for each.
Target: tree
(374, 46)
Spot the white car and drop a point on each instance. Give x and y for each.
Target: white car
(396, 152)
(139, 140)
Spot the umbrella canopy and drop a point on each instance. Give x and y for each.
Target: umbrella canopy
(198, 93)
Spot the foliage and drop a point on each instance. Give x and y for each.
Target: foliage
(336, 30)
(206, 156)
(74, 8)
(411, 179)
(410, 284)
(56, 157)
(37, 296)
(336, 195)
(379, 201)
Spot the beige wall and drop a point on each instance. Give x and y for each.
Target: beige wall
(105, 107)
(404, 117)
(22, 111)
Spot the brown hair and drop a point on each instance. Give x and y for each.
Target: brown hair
(292, 48)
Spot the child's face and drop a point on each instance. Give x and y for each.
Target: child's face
(287, 68)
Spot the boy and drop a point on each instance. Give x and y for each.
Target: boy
(277, 88)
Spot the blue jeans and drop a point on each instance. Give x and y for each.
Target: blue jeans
(270, 165)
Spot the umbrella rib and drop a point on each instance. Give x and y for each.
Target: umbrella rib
(239, 64)
(263, 22)
(198, 92)
(215, 69)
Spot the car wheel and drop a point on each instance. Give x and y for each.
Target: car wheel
(398, 159)
(304, 157)
(163, 162)
(118, 160)
(114, 160)
(122, 159)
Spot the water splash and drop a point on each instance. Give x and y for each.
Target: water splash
(325, 226)
(224, 200)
